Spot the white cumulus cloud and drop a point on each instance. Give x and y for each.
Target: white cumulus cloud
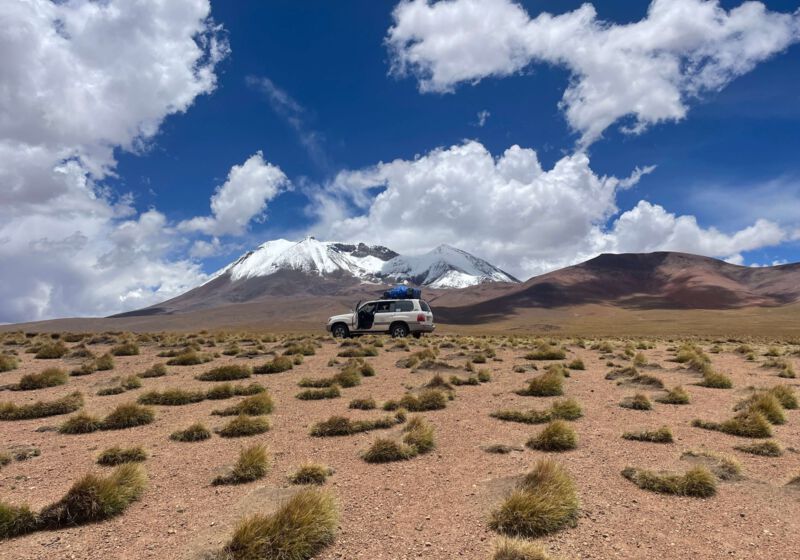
(510, 210)
(242, 198)
(79, 80)
(649, 70)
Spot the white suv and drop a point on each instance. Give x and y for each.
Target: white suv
(398, 317)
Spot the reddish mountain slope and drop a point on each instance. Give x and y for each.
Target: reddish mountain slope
(660, 280)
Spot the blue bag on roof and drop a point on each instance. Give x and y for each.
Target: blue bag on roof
(403, 292)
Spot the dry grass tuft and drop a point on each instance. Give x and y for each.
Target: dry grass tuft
(104, 363)
(243, 426)
(749, 423)
(556, 436)
(715, 380)
(156, 370)
(41, 409)
(114, 456)
(427, 399)
(419, 435)
(8, 363)
(764, 448)
(363, 404)
(331, 392)
(302, 527)
(171, 397)
(576, 364)
(566, 409)
(438, 382)
(506, 548)
(128, 415)
(195, 432)
(546, 352)
(661, 435)
(676, 395)
(643, 379)
(784, 394)
(765, 403)
(255, 405)
(16, 520)
(278, 364)
(697, 482)
(384, 450)
(252, 464)
(348, 377)
(343, 426)
(226, 391)
(230, 372)
(639, 401)
(125, 349)
(94, 498)
(459, 381)
(52, 351)
(358, 352)
(189, 358)
(50, 377)
(549, 384)
(81, 423)
(523, 417)
(544, 502)
(310, 473)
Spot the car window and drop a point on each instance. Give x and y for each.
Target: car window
(383, 307)
(403, 306)
(424, 305)
(368, 307)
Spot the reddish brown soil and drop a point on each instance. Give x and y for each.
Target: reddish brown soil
(434, 506)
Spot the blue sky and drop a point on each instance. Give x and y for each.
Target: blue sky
(331, 60)
(729, 161)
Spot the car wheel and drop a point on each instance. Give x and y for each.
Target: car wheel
(399, 330)
(340, 331)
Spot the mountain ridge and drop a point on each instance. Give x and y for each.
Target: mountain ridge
(639, 281)
(443, 267)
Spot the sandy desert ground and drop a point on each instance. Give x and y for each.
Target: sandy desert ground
(437, 504)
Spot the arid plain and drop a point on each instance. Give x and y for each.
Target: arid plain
(440, 501)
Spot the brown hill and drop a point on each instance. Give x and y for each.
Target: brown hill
(282, 284)
(637, 281)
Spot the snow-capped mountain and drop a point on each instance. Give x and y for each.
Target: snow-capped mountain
(309, 255)
(444, 267)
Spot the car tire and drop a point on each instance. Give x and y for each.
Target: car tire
(399, 330)
(340, 330)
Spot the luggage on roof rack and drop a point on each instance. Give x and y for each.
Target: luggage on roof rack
(403, 292)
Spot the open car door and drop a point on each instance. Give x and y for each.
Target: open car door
(365, 317)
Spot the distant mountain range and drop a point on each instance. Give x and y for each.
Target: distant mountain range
(297, 285)
(285, 280)
(444, 267)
